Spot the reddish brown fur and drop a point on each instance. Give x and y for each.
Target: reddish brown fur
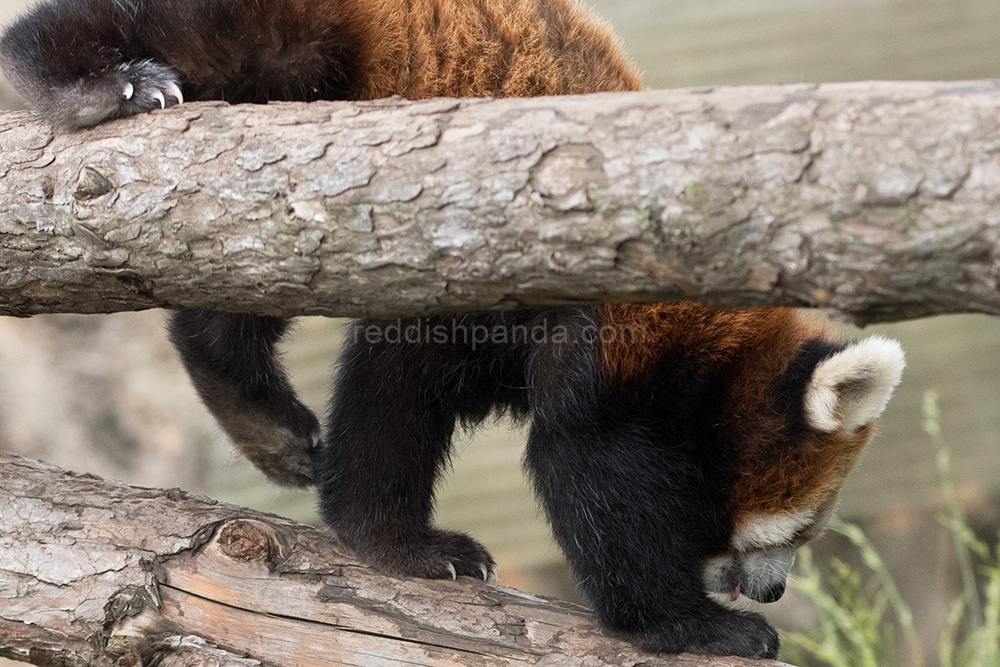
(755, 345)
(370, 49)
(774, 477)
(765, 338)
(782, 480)
(502, 48)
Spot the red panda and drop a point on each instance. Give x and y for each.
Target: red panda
(678, 450)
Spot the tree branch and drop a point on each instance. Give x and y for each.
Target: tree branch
(97, 573)
(877, 200)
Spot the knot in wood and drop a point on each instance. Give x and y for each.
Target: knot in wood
(244, 540)
(91, 185)
(566, 175)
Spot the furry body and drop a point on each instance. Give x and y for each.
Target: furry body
(676, 448)
(71, 58)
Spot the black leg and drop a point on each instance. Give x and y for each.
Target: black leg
(391, 421)
(236, 369)
(627, 506)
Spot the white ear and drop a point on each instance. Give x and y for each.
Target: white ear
(850, 389)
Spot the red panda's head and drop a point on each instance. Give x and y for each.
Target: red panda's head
(796, 441)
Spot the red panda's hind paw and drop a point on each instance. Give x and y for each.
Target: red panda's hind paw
(280, 439)
(147, 85)
(441, 554)
(288, 458)
(448, 554)
(131, 88)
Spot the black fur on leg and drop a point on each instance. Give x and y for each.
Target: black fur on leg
(621, 473)
(236, 370)
(401, 387)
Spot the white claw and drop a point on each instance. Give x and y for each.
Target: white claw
(175, 92)
(451, 568)
(158, 96)
(128, 91)
(485, 571)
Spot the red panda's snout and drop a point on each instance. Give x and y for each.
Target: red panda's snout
(760, 575)
(762, 551)
(788, 482)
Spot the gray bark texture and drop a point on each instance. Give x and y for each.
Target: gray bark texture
(99, 574)
(878, 201)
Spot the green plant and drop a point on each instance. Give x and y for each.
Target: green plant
(856, 628)
(980, 645)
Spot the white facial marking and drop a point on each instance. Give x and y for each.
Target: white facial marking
(850, 389)
(761, 531)
(756, 574)
(763, 570)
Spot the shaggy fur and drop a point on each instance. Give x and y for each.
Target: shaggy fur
(678, 450)
(74, 59)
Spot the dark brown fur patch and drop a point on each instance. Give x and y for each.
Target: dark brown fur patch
(300, 50)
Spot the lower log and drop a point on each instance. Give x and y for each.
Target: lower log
(94, 572)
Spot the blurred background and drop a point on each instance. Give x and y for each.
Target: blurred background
(105, 394)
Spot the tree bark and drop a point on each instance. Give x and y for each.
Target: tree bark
(876, 200)
(99, 573)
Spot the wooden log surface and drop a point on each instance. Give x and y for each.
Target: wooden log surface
(878, 201)
(99, 573)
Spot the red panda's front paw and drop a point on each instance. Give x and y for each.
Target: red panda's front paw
(712, 631)
(129, 89)
(739, 633)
